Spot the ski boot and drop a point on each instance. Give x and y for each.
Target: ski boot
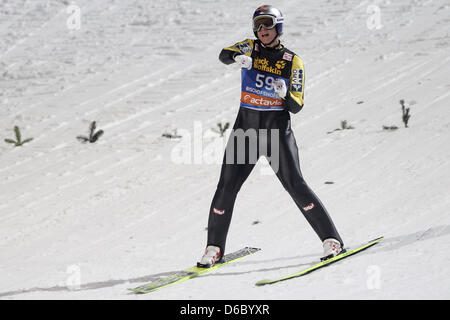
(331, 248)
(213, 255)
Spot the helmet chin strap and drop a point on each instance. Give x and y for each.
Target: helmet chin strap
(273, 40)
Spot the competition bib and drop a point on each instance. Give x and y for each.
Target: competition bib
(258, 91)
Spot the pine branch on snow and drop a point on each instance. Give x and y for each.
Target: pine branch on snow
(405, 113)
(93, 136)
(221, 128)
(18, 142)
(344, 126)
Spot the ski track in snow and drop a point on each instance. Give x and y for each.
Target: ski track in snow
(123, 212)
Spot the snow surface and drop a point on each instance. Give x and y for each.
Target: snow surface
(88, 221)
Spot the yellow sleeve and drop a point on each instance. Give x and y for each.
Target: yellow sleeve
(297, 80)
(243, 47)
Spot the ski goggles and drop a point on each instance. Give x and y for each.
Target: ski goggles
(269, 22)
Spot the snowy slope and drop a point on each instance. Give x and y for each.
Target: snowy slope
(89, 221)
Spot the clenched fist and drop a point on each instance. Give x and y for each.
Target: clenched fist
(244, 61)
(280, 87)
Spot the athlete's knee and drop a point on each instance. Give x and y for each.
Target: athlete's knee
(227, 188)
(296, 185)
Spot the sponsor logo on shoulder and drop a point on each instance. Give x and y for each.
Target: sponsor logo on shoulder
(244, 47)
(288, 56)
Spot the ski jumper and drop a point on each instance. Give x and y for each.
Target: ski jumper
(263, 127)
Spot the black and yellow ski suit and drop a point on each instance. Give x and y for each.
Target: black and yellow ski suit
(263, 127)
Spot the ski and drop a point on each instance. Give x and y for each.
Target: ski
(322, 264)
(180, 276)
